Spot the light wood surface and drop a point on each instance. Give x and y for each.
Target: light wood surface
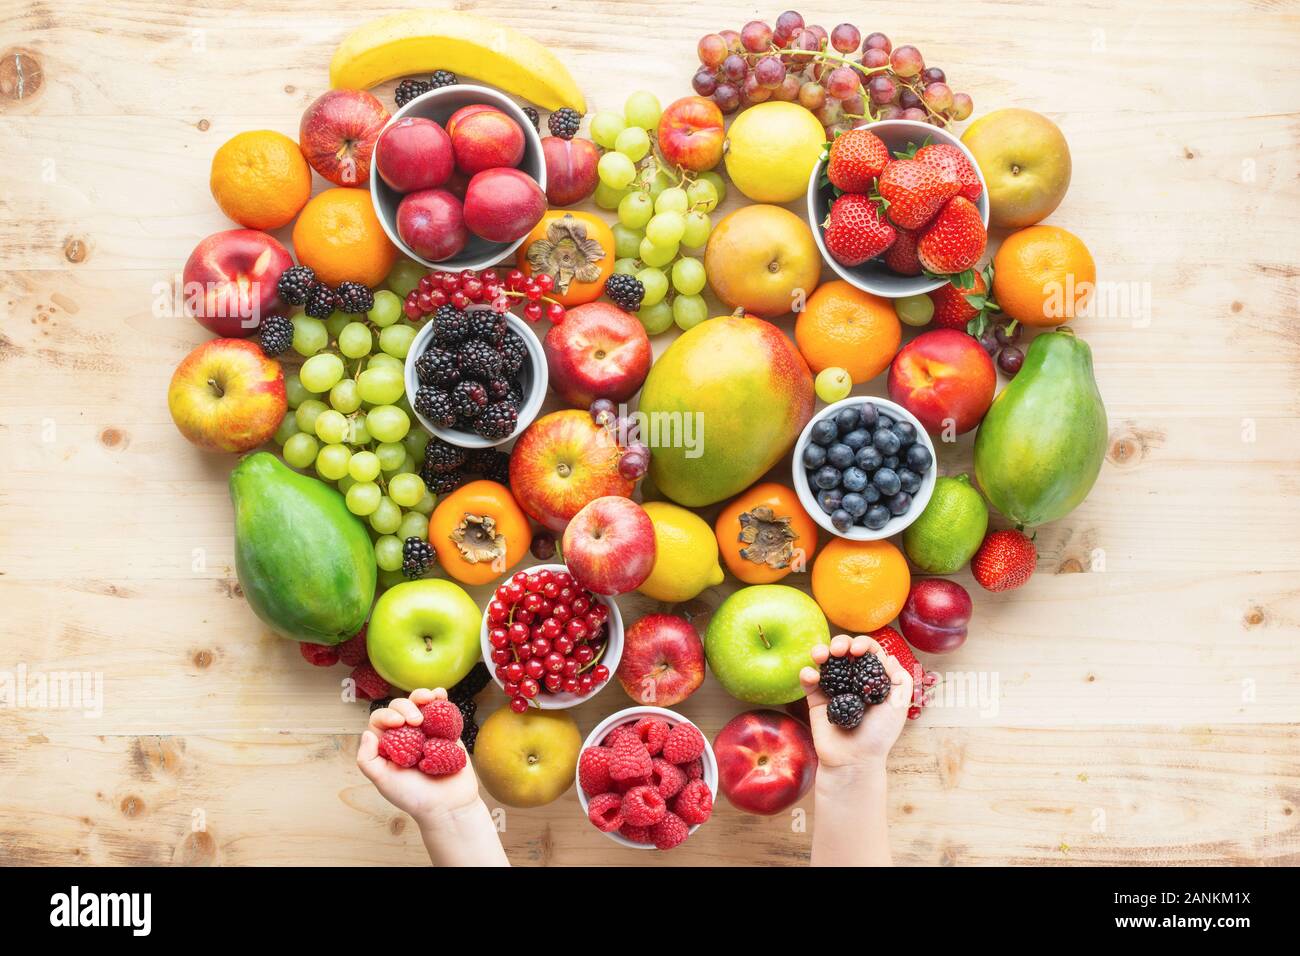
(1147, 676)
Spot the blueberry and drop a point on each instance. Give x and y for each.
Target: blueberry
(884, 421)
(846, 419)
(871, 493)
(906, 433)
(824, 432)
(886, 479)
(858, 438)
(814, 456)
(854, 478)
(877, 517)
(829, 501)
(910, 480)
(868, 458)
(828, 477)
(899, 503)
(919, 459)
(886, 441)
(839, 455)
(841, 520)
(891, 463)
(854, 504)
(867, 414)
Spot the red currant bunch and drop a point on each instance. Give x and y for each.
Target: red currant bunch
(465, 288)
(534, 290)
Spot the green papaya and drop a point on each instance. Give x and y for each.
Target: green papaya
(305, 562)
(1040, 447)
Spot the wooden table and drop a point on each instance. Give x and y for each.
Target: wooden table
(1147, 676)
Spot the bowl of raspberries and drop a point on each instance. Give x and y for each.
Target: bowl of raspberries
(647, 778)
(475, 377)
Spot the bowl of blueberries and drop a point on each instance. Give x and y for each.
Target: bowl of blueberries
(864, 468)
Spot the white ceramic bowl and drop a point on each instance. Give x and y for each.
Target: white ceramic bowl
(896, 523)
(613, 651)
(874, 276)
(632, 715)
(438, 105)
(533, 378)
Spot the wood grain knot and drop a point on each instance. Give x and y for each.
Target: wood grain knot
(197, 849)
(1254, 617)
(290, 89)
(203, 126)
(397, 825)
(202, 659)
(131, 806)
(1237, 306)
(1070, 566)
(74, 250)
(1188, 154)
(1091, 678)
(21, 74)
(230, 588)
(114, 438)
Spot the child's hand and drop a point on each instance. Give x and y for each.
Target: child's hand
(871, 740)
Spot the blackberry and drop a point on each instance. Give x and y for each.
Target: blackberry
(625, 291)
(320, 301)
(275, 335)
(533, 118)
(872, 679)
(497, 421)
(499, 388)
(487, 326)
(441, 456)
(437, 367)
(435, 405)
(442, 484)
(450, 326)
(479, 460)
(355, 298)
(564, 122)
(469, 734)
(442, 78)
(845, 711)
(295, 282)
(500, 470)
(479, 361)
(513, 353)
(469, 400)
(408, 90)
(470, 684)
(417, 555)
(840, 675)
(380, 703)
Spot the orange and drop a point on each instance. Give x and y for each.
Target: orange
(339, 236)
(567, 245)
(860, 585)
(259, 179)
(842, 326)
(1043, 276)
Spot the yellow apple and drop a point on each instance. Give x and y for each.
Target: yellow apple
(762, 259)
(1026, 164)
(528, 759)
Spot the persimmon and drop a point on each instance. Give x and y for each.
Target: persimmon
(479, 532)
(764, 534)
(576, 249)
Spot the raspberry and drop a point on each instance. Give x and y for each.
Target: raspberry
(644, 806)
(694, 770)
(441, 757)
(605, 811)
(442, 719)
(628, 758)
(369, 685)
(668, 778)
(626, 730)
(684, 744)
(402, 745)
(653, 732)
(695, 803)
(593, 771)
(353, 651)
(669, 832)
(623, 786)
(636, 834)
(319, 655)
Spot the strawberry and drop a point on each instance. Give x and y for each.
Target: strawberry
(945, 156)
(1004, 561)
(955, 240)
(856, 230)
(914, 191)
(893, 644)
(857, 157)
(901, 256)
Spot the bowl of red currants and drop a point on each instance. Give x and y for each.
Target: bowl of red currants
(549, 642)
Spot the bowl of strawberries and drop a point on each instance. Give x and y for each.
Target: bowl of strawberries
(899, 208)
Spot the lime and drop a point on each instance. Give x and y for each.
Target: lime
(950, 529)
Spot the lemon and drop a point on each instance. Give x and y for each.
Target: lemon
(771, 150)
(686, 554)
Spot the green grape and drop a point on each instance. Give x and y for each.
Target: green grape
(627, 242)
(405, 406)
(635, 210)
(387, 517)
(331, 426)
(306, 414)
(633, 143)
(689, 311)
(309, 335)
(388, 552)
(300, 450)
(380, 386)
(832, 384)
(627, 266)
(405, 488)
(426, 504)
(321, 372)
(697, 229)
(358, 434)
(332, 461)
(713, 179)
(656, 318)
(355, 340)
(656, 285)
(914, 310)
(346, 482)
(605, 127)
(336, 322)
(414, 525)
(616, 171)
(689, 276)
(364, 466)
(607, 197)
(702, 195)
(408, 466)
(653, 255)
(415, 441)
(388, 423)
(672, 199)
(294, 391)
(390, 455)
(654, 181)
(402, 278)
(388, 306)
(384, 360)
(345, 397)
(363, 498)
(642, 109)
(396, 340)
(666, 228)
(288, 428)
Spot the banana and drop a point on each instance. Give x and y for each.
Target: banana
(419, 41)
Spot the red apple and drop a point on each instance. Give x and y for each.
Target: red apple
(609, 546)
(944, 378)
(570, 169)
(562, 461)
(414, 153)
(466, 111)
(691, 133)
(432, 224)
(338, 132)
(766, 761)
(503, 205)
(935, 616)
(230, 278)
(487, 139)
(663, 660)
(599, 351)
(227, 396)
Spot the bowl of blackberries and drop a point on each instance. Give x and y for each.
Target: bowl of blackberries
(475, 377)
(864, 468)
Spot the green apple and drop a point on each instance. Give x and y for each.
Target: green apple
(424, 634)
(759, 640)
(528, 759)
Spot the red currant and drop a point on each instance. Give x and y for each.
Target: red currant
(563, 644)
(585, 684)
(532, 601)
(600, 673)
(500, 655)
(498, 613)
(500, 304)
(552, 682)
(426, 282)
(514, 592)
(438, 298)
(523, 651)
(518, 632)
(555, 313)
(459, 299)
(449, 281)
(551, 628)
(580, 604)
(518, 704)
(524, 616)
(425, 301)
(545, 281)
(515, 279)
(511, 688)
(499, 670)
(554, 662)
(534, 669)
(570, 685)
(583, 654)
(498, 637)
(473, 288)
(528, 687)
(533, 312)
(514, 671)
(540, 646)
(561, 612)
(411, 307)
(577, 629)
(571, 668)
